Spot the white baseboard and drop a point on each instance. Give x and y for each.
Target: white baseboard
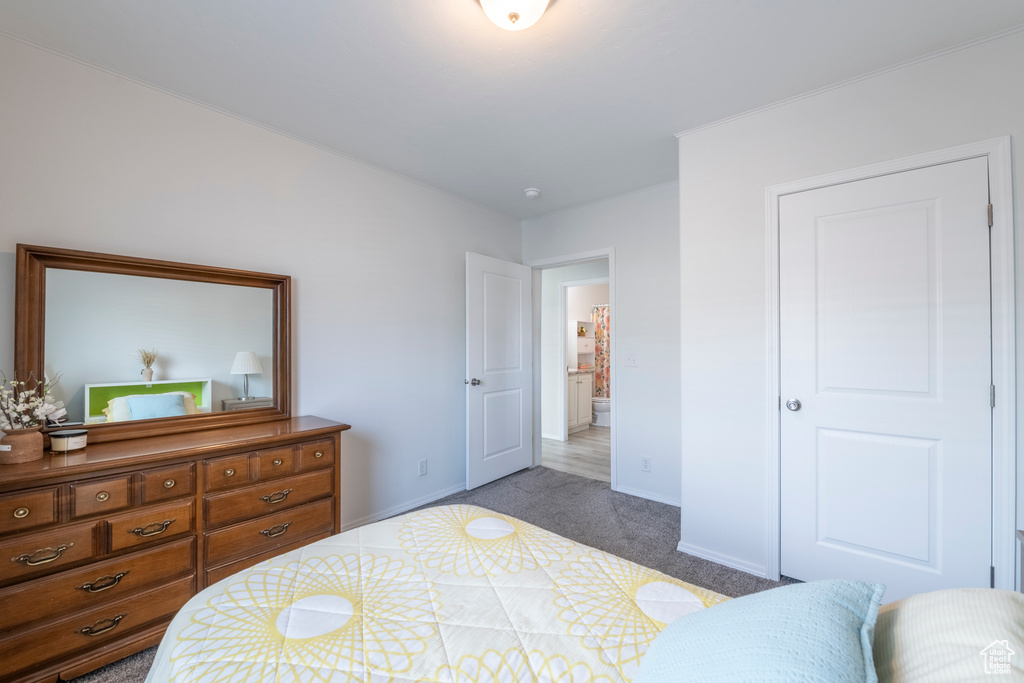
(404, 507)
(556, 437)
(640, 493)
(743, 566)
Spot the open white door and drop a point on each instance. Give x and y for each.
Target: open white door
(499, 369)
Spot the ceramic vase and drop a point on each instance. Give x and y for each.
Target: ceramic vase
(25, 445)
(147, 375)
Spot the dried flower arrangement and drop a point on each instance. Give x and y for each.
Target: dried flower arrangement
(147, 358)
(25, 405)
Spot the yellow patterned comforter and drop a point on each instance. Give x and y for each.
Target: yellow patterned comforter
(449, 594)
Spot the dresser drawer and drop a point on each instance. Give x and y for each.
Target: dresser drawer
(276, 462)
(261, 499)
(316, 454)
(47, 551)
(151, 524)
(28, 509)
(226, 570)
(90, 629)
(268, 532)
(108, 495)
(167, 482)
(95, 584)
(226, 472)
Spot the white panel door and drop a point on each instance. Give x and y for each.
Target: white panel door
(885, 342)
(499, 369)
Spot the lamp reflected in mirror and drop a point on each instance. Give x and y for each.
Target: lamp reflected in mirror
(246, 363)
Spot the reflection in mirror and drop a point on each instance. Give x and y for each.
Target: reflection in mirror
(97, 324)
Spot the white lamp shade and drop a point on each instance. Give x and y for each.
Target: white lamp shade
(246, 363)
(525, 12)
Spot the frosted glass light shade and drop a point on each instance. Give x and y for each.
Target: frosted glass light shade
(514, 15)
(246, 363)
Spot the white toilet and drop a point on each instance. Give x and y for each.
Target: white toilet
(602, 411)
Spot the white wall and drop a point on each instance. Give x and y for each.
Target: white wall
(7, 265)
(643, 229)
(97, 322)
(92, 161)
(552, 370)
(965, 96)
(580, 301)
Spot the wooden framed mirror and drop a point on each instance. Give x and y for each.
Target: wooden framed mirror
(86, 316)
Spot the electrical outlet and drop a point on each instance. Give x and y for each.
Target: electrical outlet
(632, 360)
(645, 464)
(423, 467)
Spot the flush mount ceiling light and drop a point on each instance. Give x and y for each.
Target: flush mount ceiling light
(514, 15)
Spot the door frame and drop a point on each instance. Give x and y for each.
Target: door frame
(1004, 419)
(553, 262)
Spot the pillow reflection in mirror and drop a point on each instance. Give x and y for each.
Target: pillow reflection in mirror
(156, 405)
(119, 410)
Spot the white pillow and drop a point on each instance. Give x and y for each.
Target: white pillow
(117, 408)
(959, 634)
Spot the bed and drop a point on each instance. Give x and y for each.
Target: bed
(461, 594)
(455, 593)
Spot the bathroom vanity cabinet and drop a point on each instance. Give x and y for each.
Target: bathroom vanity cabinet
(581, 393)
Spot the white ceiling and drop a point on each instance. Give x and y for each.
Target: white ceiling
(583, 105)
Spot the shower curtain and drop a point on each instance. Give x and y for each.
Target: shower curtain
(602, 367)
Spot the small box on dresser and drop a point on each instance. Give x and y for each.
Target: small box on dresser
(99, 548)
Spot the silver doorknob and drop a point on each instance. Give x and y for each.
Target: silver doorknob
(475, 382)
(793, 404)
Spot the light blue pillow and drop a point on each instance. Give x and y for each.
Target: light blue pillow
(156, 405)
(818, 631)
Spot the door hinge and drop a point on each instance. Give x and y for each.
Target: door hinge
(992, 395)
(990, 215)
(780, 403)
(991, 577)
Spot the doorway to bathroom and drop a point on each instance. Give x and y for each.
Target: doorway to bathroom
(576, 383)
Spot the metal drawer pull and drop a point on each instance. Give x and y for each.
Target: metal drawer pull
(229, 472)
(277, 462)
(152, 529)
(169, 484)
(276, 530)
(102, 496)
(276, 496)
(101, 626)
(43, 555)
(103, 583)
(21, 513)
(318, 454)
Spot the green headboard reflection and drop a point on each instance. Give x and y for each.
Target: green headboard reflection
(97, 396)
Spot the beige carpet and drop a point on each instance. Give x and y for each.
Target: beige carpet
(585, 510)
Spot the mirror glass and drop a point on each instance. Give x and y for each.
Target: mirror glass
(97, 323)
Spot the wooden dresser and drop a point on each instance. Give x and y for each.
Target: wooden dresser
(99, 548)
